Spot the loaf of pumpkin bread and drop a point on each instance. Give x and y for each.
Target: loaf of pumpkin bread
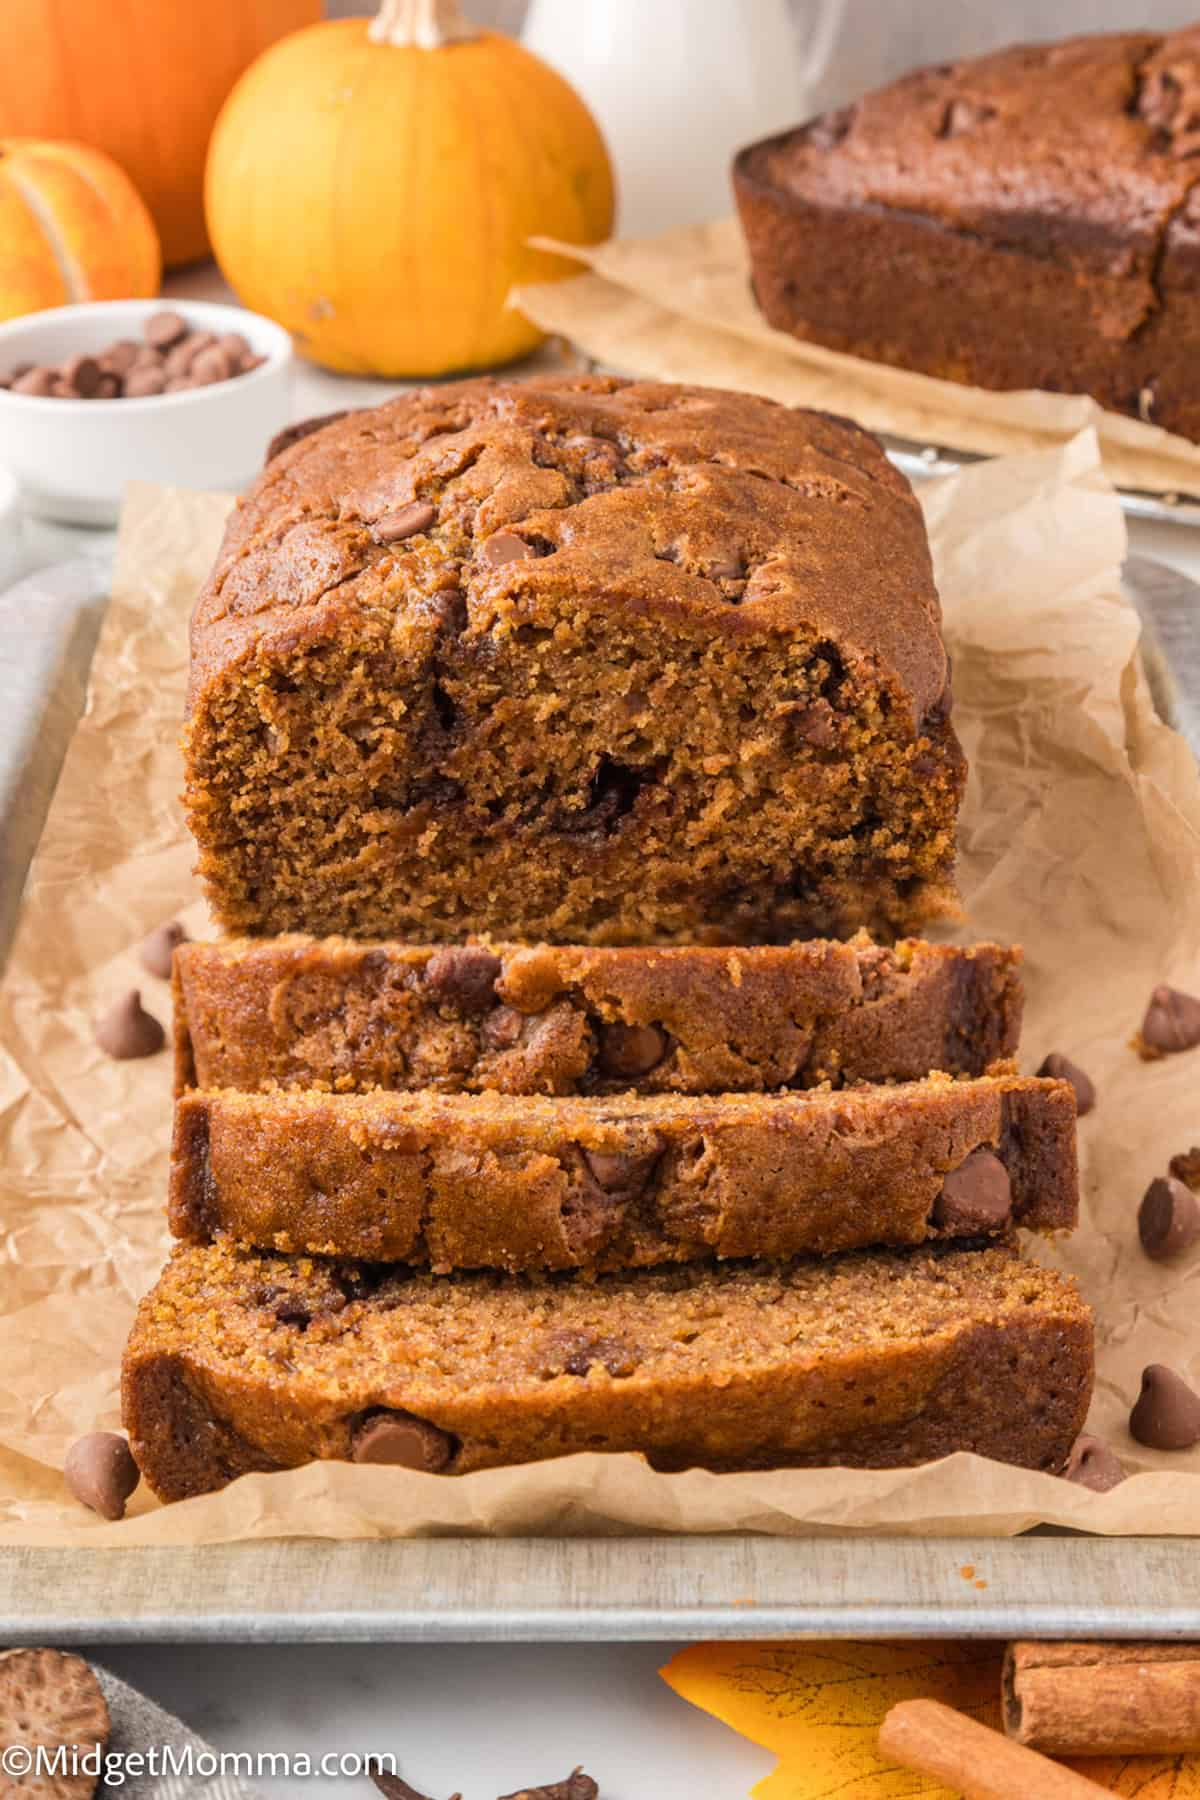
(497, 1181)
(240, 1361)
(1029, 219)
(345, 1016)
(574, 659)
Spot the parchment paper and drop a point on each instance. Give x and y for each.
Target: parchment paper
(680, 306)
(1080, 838)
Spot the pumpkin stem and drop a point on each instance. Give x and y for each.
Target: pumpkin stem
(425, 24)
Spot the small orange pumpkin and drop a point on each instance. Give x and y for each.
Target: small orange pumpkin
(73, 227)
(374, 187)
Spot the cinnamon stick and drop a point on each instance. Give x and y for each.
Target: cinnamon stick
(974, 1760)
(1103, 1699)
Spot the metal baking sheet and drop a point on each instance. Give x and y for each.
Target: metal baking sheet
(563, 1589)
(919, 461)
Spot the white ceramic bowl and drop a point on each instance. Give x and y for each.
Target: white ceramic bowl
(72, 458)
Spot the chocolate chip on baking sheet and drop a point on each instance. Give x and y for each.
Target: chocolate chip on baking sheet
(1166, 1415)
(1171, 1024)
(127, 1030)
(505, 547)
(1168, 1218)
(51, 1701)
(577, 1786)
(1061, 1068)
(463, 975)
(404, 522)
(155, 952)
(628, 1050)
(401, 1440)
(1092, 1464)
(100, 1471)
(977, 1196)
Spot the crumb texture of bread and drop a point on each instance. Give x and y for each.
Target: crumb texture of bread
(344, 1016)
(241, 1361)
(1027, 219)
(528, 1183)
(576, 660)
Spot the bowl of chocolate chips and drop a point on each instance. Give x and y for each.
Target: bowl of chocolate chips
(95, 396)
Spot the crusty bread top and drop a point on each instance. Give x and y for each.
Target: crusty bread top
(713, 511)
(1081, 152)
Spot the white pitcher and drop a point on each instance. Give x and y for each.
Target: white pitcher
(678, 85)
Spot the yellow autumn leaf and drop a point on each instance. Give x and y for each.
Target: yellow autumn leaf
(819, 1707)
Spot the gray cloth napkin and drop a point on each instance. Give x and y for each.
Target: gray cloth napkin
(139, 1725)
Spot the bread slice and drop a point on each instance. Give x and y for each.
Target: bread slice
(497, 1181)
(344, 1016)
(241, 1361)
(574, 659)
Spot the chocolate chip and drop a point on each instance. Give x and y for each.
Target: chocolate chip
(575, 1352)
(629, 1050)
(463, 976)
(127, 1030)
(141, 382)
(1060, 1068)
(82, 375)
(1172, 1023)
(39, 380)
(977, 1196)
(577, 1786)
(109, 388)
(405, 522)
(814, 724)
(403, 1441)
(1167, 1413)
(1168, 1218)
(294, 1312)
(621, 1172)
(156, 951)
(52, 1705)
(1092, 1464)
(502, 1028)
(211, 365)
(964, 115)
(235, 346)
(162, 329)
(1185, 1166)
(101, 1473)
(505, 547)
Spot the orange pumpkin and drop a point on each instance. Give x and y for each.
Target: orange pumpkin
(374, 188)
(142, 80)
(73, 227)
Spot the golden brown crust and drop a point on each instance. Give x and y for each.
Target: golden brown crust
(240, 1362)
(346, 1017)
(1053, 183)
(659, 664)
(497, 1181)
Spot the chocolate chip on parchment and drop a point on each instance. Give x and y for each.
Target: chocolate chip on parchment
(463, 975)
(404, 522)
(1166, 1415)
(1061, 1068)
(402, 1441)
(127, 1030)
(1168, 1218)
(629, 1050)
(162, 329)
(977, 1196)
(1092, 1464)
(577, 1786)
(100, 1471)
(1171, 1024)
(51, 1701)
(505, 547)
(156, 951)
